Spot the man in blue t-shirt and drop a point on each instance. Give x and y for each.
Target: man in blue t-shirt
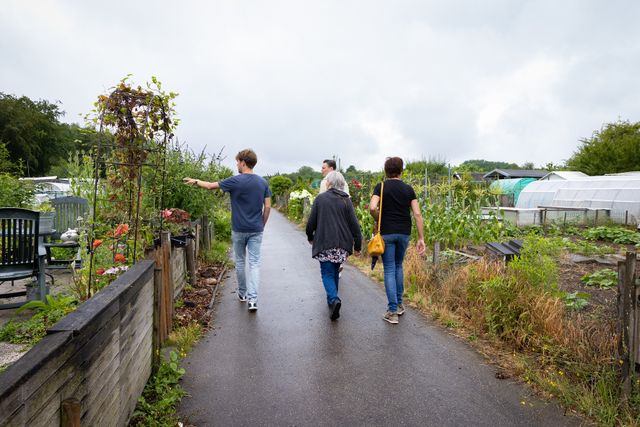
(250, 206)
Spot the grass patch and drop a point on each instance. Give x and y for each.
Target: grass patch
(185, 337)
(218, 253)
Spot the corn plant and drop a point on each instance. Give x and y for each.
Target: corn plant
(452, 214)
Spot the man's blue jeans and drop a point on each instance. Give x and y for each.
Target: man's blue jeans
(395, 246)
(248, 278)
(330, 272)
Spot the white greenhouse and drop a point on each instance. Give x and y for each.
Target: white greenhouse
(588, 198)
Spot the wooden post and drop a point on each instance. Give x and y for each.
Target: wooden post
(70, 412)
(436, 252)
(156, 338)
(191, 261)
(167, 280)
(196, 242)
(206, 242)
(626, 322)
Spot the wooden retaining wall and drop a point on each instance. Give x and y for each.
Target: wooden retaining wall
(100, 356)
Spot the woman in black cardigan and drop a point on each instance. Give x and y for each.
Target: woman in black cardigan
(334, 233)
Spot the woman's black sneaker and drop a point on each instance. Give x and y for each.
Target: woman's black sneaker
(335, 309)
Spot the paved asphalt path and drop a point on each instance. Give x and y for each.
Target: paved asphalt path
(288, 364)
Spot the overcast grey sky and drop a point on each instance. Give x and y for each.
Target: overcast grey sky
(300, 81)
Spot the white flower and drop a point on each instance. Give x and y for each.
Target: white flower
(302, 194)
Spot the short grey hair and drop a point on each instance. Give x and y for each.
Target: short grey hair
(336, 180)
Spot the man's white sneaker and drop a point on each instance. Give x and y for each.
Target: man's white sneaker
(241, 297)
(253, 306)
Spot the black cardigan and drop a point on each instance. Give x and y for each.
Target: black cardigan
(333, 223)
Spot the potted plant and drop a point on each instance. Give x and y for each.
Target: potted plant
(47, 215)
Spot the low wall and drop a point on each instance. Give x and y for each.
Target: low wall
(101, 354)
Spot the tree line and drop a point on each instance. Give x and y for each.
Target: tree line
(34, 142)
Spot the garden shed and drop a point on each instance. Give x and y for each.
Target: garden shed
(564, 175)
(514, 173)
(510, 188)
(618, 195)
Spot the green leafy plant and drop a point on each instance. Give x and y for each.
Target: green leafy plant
(157, 405)
(575, 301)
(603, 279)
(620, 235)
(536, 264)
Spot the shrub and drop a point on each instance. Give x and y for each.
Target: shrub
(280, 185)
(15, 193)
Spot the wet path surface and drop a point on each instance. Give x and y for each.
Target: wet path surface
(289, 364)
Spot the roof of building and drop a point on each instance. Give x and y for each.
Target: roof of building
(515, 173)
(564, 175)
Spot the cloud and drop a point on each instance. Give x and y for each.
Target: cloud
(300, 82)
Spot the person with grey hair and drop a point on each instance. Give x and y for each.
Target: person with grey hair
(334, 233)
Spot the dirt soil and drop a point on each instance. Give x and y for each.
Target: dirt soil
(197, 298)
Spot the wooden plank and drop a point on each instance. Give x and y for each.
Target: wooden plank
(48, 351)
(144, 299)
(102, 385)
(133, 389)
(44, 416)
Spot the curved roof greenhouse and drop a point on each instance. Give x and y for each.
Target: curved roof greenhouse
(619, 194)
(510, 186)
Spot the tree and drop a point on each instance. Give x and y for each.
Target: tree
(485, 165)
(614, 148)
(433, 166)
(33, 135)
(6, 165)
(528, 166)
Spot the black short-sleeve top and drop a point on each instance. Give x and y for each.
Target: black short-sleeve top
(396, 206)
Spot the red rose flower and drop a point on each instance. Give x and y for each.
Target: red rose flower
(121, 229)
(120, 258)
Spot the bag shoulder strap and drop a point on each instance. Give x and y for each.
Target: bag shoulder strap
(380, 207)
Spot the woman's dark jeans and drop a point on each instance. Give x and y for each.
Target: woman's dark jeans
(330, 272)
(395, 247)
